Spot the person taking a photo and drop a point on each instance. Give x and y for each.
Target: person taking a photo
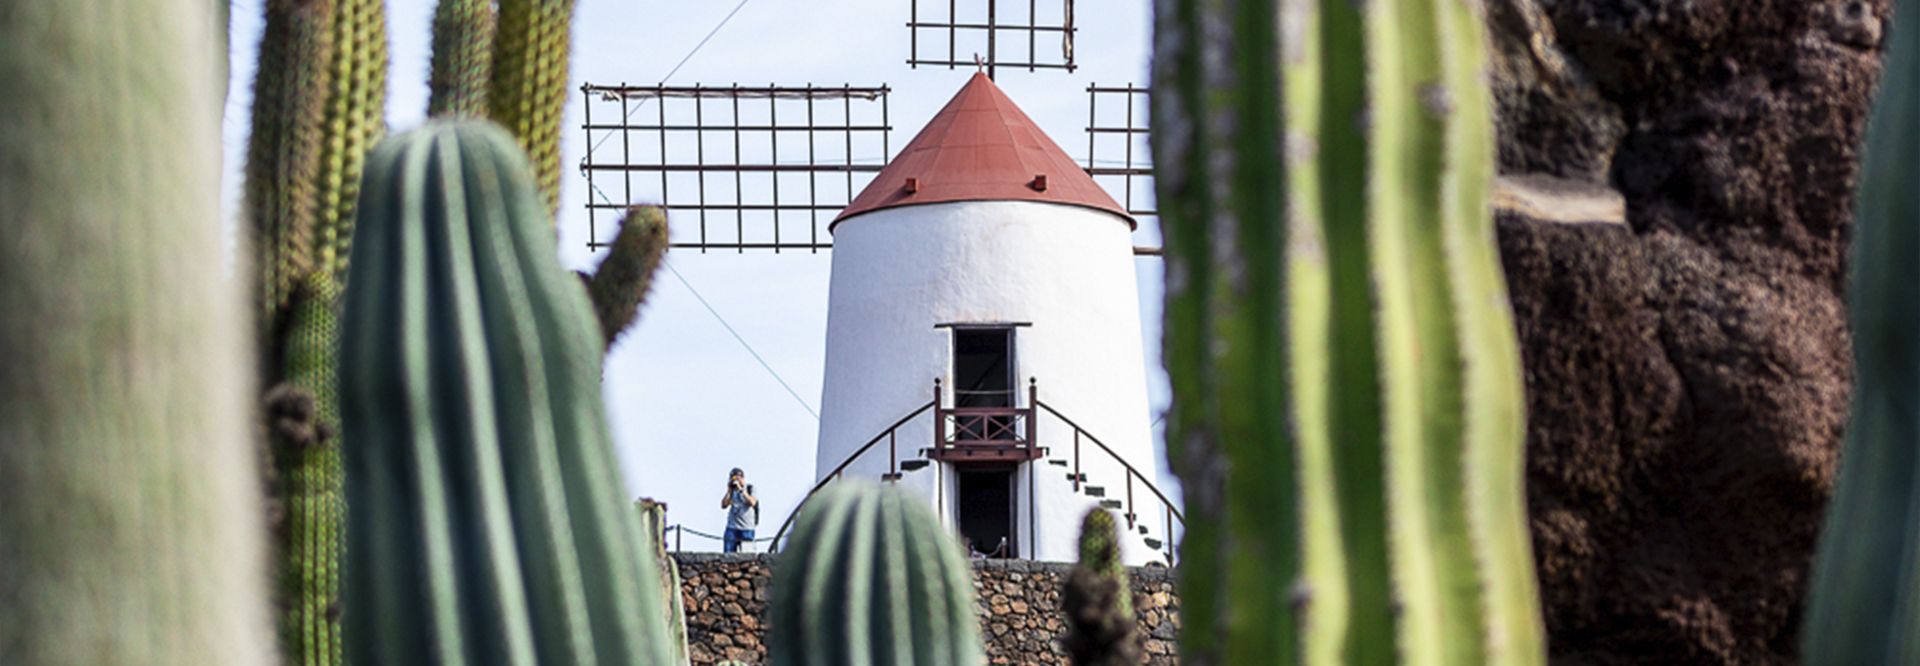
(743, 512)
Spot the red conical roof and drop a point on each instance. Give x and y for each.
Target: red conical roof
(981, 147)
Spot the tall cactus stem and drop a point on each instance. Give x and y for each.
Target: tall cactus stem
(284, 156)
(1216, 126)
(619, 287)
(487, 522)
(127, 534)
(1493, 386)
(1410, 532)
(355, 120)
(528, 92)
(462, 52)
(1865, 605)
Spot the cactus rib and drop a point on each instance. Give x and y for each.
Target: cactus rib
(462, 52)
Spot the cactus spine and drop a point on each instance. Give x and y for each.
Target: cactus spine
(528, 92)
(462, 53)
(1098, 605)
(1396, 336)
(870, 577)
(1865, 608)
(319, 104)
(124, 474)
(486, 518)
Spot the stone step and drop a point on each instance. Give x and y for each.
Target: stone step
(1057, 463)
(1095, 491)
(1111, 504)
(1152, 543)
(912, 465)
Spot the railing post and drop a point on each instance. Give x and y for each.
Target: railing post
(1129, 499)
(893, 456)
(1076, 459)
(939, 419)
(1033, 417)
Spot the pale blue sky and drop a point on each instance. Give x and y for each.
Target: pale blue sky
(686, 401)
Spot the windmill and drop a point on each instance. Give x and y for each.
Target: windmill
(984, 335)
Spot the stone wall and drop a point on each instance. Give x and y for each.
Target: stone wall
(1020, 618)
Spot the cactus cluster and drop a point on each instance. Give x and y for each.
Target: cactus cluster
(126, 535)
(319, 102)
(462, 53)
(484, 507)
(1097, 602)
(870, 577)
(1865, 608)
(1323, 169)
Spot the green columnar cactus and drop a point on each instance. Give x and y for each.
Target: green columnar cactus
(462, 51)
(126, 535)
(355, 120)
(1865, 608)
(1098, 605)
(1396, 336)
(653, 522)
(291, 88)
(319, 104)
(620, 286)
(870, 577)
(528, 92)
(485, 512)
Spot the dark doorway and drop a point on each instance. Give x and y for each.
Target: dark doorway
(986, 511)
(983, 367)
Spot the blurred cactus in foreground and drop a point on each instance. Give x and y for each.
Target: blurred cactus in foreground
(127, 529)
(319, 104)
(870, 577)
(1098, 604)
(486, 515)
(1865, 606)
(1335, 261)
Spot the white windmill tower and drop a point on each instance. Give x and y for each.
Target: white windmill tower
(984, 265)
(983, 334)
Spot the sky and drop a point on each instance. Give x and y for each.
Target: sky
(687, 401)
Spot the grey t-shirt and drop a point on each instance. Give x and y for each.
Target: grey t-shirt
(739, 515)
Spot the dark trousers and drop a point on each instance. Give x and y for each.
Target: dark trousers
(732, 538)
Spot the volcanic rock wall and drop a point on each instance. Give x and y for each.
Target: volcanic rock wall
(1677, 180)
(1019, 609)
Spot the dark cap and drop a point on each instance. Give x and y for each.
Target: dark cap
(736, 472)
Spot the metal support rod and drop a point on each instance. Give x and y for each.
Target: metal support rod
(992, 53)
(700, 146)
(593, 227)
(1076, 460)
(626, 155)
(939, 419)
(773, 139)
(893, 455)
(739, 217)
(1130, 513)
(1129, 179)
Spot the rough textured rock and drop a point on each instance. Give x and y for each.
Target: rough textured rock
(1019, 609)
(1688, 369)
